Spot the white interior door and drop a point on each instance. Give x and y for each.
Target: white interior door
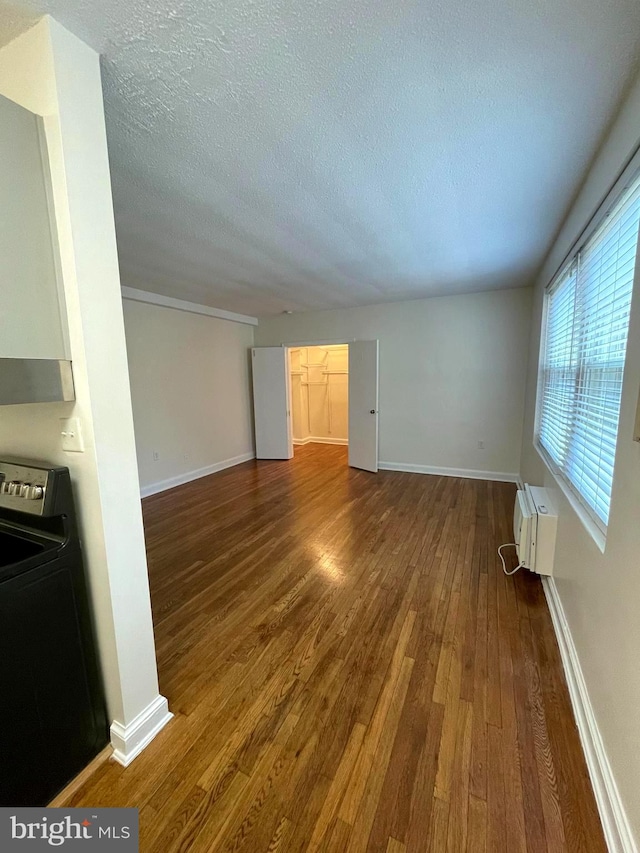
(271, 404)
(363, 405)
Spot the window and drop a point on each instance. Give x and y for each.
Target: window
(584, 345)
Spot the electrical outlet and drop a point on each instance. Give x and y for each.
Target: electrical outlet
(156, 456)
(481, 445)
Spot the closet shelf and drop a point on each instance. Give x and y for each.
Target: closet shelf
(315, 364)
(332, 372)
(298, 372)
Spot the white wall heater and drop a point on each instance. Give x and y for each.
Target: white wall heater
(534, 529)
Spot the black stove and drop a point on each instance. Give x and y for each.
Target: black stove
(52, 712)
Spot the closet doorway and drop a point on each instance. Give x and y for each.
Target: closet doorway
(322, 392)
(319, 381)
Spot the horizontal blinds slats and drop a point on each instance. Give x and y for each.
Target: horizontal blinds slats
(587, 321)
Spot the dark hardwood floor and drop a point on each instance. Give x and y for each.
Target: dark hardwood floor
(350, 671)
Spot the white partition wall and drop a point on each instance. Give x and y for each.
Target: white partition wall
(53, 74)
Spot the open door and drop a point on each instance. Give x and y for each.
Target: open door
(363, 405)
(271, 405)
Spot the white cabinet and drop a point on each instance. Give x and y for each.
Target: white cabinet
(31, 325)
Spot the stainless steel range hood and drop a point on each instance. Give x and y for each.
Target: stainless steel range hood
(35, 380)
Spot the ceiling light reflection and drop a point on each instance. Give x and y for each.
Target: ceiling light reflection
(328, 565)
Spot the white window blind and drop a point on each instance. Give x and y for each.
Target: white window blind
(587, 320)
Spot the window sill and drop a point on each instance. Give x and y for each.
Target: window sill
(588, 523)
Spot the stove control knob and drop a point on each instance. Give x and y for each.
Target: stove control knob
(34, 493)
(24, 488)
(13, 488)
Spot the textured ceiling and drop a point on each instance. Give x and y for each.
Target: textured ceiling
(298, 154)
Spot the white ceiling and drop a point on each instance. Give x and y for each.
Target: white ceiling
(304, 154)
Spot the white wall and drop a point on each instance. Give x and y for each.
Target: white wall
(329, 402)
(452, 373)
(190, 387)
(55, 75)
(600, 593)
(299, 394)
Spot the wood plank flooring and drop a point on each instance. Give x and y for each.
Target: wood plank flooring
(350, 671)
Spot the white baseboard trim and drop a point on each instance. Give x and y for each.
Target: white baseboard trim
(465, 473)
(129, 741)
(172, 482)
(616, 827)
(313, 439)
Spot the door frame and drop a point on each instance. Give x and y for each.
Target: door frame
(289, 345)
(296, 345)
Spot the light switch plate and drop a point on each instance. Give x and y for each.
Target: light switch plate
(71, 433)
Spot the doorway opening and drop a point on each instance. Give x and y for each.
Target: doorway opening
(319, 383)
(345, 410)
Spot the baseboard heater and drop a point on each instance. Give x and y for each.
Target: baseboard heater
(535, 522)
